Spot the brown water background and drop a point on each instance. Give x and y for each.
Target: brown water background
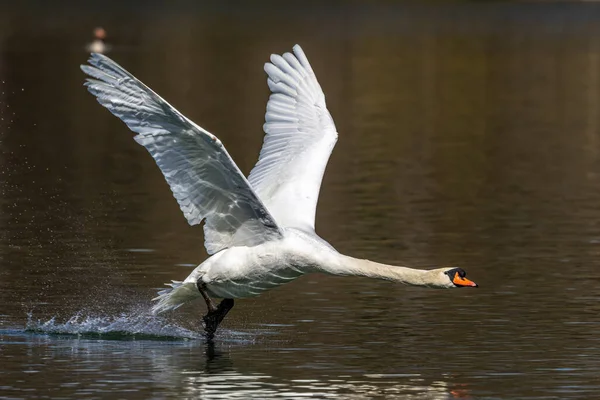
(468, 136)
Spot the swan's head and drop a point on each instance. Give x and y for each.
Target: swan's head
(456, 277)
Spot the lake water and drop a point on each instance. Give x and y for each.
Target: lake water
(468, 136)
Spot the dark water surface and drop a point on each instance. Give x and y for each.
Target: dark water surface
(468, 136)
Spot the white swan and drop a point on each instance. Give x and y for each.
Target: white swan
(259, 231)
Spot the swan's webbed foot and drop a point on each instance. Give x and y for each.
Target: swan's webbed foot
(214, 317)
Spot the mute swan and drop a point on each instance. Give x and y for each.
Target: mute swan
(259, 232)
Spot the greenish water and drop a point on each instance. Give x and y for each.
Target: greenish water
(468, 136)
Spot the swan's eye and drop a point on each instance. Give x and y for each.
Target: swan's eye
(457, 276)
(454, 272)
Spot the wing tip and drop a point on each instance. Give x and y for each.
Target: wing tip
(269, 67)
(299, 52)
(88, 69)
(94, 57)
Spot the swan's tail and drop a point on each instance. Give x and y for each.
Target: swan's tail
(179, 294)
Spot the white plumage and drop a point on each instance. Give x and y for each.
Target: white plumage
(204, 179)
(300, 135)
(259, 231)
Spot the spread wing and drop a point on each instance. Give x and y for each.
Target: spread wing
(300, 135)
(204, 179)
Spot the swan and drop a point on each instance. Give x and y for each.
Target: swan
(259, 231)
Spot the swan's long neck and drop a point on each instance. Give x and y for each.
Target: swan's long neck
(344, 265)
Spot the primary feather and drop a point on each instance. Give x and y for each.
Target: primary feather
(204, 179)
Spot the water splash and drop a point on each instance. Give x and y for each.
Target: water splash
(132, 326)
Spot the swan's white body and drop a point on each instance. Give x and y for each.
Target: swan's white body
(259, 231)
(248, 271)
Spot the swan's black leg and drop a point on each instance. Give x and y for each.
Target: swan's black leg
(209, 303)
(213, 318)
(215, 314)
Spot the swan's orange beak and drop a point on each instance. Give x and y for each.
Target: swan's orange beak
(460, 281)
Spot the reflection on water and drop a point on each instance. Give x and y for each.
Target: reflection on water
(190, 368)
(468, 137)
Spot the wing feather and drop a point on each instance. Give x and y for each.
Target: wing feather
(300, 135)
(204, 180)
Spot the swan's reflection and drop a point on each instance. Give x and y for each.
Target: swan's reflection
(217, 378)
(232, 368)
(217, 362)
